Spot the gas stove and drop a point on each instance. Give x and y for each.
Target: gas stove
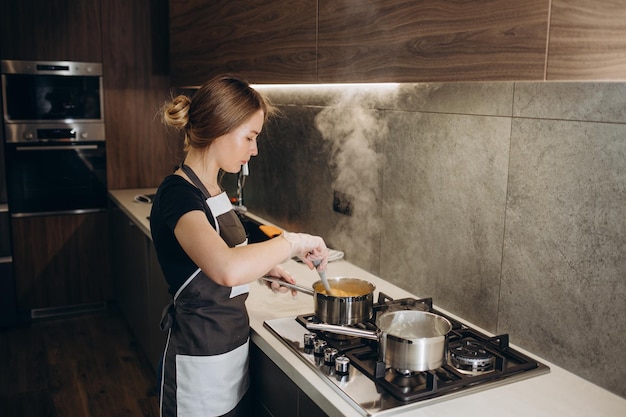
(354, 368)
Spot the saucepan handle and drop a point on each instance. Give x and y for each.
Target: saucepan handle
(348, 331)
(290, 286)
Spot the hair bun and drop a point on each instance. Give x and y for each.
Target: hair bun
(176, 112)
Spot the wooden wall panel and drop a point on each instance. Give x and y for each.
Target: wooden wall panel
(431, 40)
(265, 42)
(140, 151)
(52, 30)
(587, 40)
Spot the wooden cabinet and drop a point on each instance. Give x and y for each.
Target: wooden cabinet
(587, 40)
(61, 260)
(8, 315)
(274, 394)
(432, 40)
(398, 40)
(265, 42)
(129, 256)
(158, 298)
(373, 41)
(52, 30)
(140, 150)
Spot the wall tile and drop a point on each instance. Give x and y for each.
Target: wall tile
(443, 212)
(564, 269)
(601, 102)
(289, 178)
(478, 98)
(304, 157)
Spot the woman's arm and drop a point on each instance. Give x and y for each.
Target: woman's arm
(227, 266)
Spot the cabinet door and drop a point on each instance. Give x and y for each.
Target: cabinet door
(273, 393)
(432, 40)
(587, 40)
(61, 260)
(136, 83)
(158, 298)
(51, 30)
(265, 42)
(129, 254)
(7, 281)
(8, 316)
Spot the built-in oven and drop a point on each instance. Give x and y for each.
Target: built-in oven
(56, 177)
(51, 91)
(54, 137)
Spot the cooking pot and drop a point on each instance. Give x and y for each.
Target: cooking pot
(351, 302)
(409, 340)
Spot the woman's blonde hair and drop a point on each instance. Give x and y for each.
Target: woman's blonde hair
(216, 108)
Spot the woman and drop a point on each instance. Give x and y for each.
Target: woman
(203, 252)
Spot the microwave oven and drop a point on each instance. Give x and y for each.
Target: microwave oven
(52, 101)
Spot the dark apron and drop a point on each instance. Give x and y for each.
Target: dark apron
(205, 363)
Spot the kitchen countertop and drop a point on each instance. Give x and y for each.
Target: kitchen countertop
(138, 212)
(558, 393)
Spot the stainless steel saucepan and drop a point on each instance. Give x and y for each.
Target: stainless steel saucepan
(351, 302)
(409, 340)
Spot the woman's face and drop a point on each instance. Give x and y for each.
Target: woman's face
(235, 148)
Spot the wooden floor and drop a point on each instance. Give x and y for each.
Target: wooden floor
(83, 366)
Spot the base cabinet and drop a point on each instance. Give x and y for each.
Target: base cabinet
(273, 393)
(60, 261)
(8, 316)
(129, 249)
(158, 298)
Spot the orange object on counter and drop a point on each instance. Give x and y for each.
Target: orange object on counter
(270, 231)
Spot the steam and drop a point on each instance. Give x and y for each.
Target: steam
(354, 132)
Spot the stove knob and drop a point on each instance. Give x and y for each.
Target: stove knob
(329, 355)
(320, 345)
(309, 340)
(342, 365)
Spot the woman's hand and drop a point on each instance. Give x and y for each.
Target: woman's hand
(280, 273)
(311, 250)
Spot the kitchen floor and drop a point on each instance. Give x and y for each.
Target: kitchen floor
(79, 366)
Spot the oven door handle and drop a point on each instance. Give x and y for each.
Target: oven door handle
(56, 148)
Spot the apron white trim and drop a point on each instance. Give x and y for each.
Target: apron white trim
(167, 345)
(239, 289)
(219, 205)
(182, 287)
(211, 385)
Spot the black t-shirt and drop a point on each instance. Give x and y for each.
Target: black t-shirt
(174, 198)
